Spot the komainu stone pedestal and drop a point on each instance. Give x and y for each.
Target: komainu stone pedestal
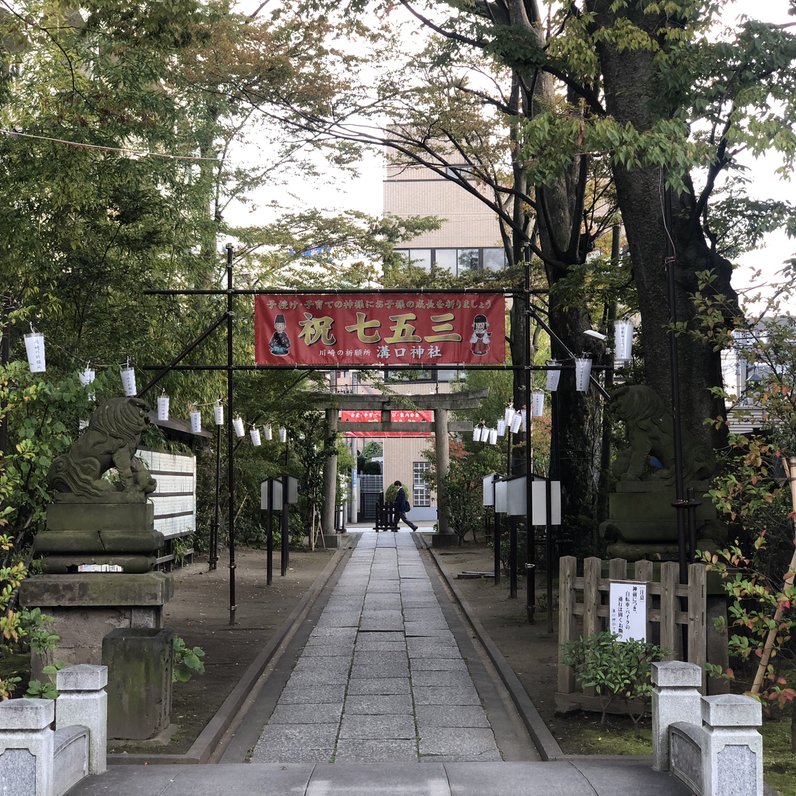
(88, 606)
(643, 522)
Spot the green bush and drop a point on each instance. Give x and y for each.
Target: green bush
(614, 669)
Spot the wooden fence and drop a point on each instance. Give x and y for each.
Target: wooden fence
(584, 609)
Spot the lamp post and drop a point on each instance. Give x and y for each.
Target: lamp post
(285, 548)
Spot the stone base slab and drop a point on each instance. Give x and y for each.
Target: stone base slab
(100, 516)
(107, 541)
(65, 565)
(97, 589)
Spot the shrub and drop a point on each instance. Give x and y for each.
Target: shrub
(614, 669)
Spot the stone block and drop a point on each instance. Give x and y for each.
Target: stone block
(26, 714)
(82, 701)
(676, 674)
(140, 663)
(26, 746)
(731, 710)
(98, 541)
(100, 516)
(675, 698)
(97, 589)
(124, 564)
(83, 677)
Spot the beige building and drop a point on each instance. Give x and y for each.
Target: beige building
(469, 237)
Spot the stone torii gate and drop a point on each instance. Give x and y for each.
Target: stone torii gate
(440, 404)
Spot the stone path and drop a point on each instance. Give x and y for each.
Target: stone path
(381, 677)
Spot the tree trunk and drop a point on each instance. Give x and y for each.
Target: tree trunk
(635, 95)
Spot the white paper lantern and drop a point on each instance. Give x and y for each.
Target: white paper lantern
(553, 376)
(254, 433)
(34, 348)
(537, 403)
(218, 413)
(128, 381)
(516, 423)
(282, 434)
(508, 415)
(477, 433)
(501, 427)
(493, 436)
(623, 341)
(582, 373)
(163, 407)
(87, 376)
(237, 424)
(268, 432)
(524, 416)
(196, 421)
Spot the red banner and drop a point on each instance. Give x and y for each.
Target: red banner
(383, 329)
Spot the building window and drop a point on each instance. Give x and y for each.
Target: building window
(468, 260)
(420, 258)
(421, 493)
(494, 259)
(445, 260)
(456, 261)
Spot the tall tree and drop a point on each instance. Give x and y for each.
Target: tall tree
(663, 91)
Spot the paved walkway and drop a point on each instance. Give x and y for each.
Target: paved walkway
(388, 695)
(381, 677)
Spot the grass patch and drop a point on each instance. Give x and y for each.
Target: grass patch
(779, 763)
(581, 733)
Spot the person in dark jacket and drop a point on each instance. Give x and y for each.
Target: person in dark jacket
(402, 506)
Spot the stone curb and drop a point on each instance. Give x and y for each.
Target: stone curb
(206, 743)
(545, 742)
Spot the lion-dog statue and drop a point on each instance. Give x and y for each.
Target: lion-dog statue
(648, 424)
(110, 440)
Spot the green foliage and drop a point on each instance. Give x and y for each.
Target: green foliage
(45, 690)
(752, 495)
(614, 669)
(187, 661)
(463, 486)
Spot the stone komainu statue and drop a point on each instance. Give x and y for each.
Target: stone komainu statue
(649, 432)
(111, 440)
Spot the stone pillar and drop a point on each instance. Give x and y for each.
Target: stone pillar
(732, 752)
(82, 700)
(444, 536)
(329, 477)
(675, 698)
(139, 692)
(26, 746)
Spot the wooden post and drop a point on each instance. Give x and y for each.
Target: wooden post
(592, 570)
(567, 570)
(617, 569)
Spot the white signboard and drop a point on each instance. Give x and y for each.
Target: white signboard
(628, 606)
(501, 496)
(489, 489)
(518, 507)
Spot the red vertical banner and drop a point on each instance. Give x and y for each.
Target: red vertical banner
(382, 329)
